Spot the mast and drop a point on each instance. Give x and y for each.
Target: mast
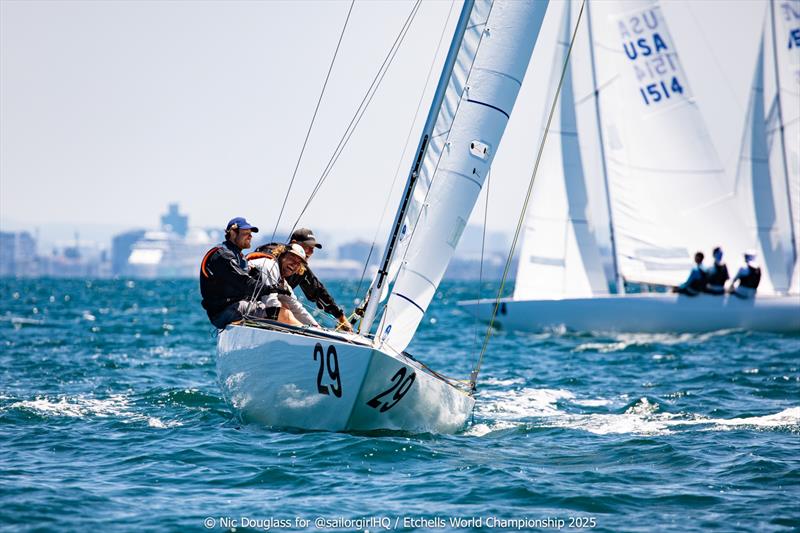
(781, 127)
(378, 284)
(617, 278)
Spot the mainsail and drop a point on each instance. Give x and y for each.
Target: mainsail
(668, 194)
(480, 94)
(768, 175)
(782, 39)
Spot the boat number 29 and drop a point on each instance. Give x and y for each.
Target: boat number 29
(331, 361)
(401, 383)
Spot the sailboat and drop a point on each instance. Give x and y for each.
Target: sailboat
(316, 379)
(768, 176)
(631, 188)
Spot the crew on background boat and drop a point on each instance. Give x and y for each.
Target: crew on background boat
(748, 277)
(311, 286)
(288, 261)
(229, 292)
(717, 275)
(696, 282)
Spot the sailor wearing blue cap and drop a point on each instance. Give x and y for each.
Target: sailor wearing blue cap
(229, 292)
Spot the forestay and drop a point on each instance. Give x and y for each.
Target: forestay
(560, 255)
(481, 92)
(668, 194)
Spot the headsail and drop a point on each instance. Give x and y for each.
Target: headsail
(669, 197)
(560, 255)
(482, 89)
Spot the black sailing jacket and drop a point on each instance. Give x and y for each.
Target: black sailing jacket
(224, 279)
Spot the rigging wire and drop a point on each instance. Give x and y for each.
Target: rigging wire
(436, 166)
(313, 118)
(474, 376)
(371, 91)
(483, 247)
(405, 150)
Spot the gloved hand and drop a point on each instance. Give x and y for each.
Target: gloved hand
(344, 324)
(277, 289)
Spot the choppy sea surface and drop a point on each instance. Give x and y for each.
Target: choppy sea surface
(111, 418)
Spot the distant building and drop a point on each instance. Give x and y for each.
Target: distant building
(121, 248)
(359, 251)
(174, 251)
(18, 254)
(174, 222)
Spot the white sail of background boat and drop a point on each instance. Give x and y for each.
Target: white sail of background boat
(768, 177)
(315, 379)
(631, 168)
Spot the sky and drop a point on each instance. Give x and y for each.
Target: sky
(111, 110)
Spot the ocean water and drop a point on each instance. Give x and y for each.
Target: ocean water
(111, 418)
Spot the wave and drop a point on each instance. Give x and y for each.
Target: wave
(116, 406)
(530, 408)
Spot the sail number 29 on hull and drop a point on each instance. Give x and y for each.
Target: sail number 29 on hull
(401, 384)
(329, 361)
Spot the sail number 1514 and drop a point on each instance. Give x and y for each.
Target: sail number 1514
(656, 92)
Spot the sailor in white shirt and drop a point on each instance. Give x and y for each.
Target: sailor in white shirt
(274, 271)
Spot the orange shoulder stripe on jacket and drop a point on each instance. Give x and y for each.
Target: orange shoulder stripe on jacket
(205, 258)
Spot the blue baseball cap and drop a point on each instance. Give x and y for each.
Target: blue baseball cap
(240, 223)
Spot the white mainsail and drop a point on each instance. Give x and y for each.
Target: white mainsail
(763, 195)
(481, 95)
(668, 194)
(782, 46)
(560, 255)
(768, 175)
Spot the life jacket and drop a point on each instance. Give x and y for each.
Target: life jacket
(718, 275)
(700, 283)
(258, 255)
(752, 279)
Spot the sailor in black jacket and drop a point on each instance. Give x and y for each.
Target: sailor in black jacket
(312, 287)
(229, 292)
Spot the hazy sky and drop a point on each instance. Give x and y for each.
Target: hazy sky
(110, 110)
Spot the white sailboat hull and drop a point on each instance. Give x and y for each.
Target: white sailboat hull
(648, 313)
(287, 379)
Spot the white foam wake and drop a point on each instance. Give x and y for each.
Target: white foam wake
(116, 405)
(549, 408)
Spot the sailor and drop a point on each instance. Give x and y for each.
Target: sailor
(696, 281)
(289, 261)
(748, 277)
(229, 292)
(717, 274)
(311, 286)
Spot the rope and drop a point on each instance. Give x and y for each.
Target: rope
(362, 107)
(483, 245)
(474, 376)
(405, 150)
(313, 118)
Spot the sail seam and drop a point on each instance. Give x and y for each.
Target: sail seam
(488, 105)
(432, 284)
(412, 302)
(459, 174)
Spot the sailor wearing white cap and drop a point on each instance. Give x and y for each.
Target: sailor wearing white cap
(748, 277)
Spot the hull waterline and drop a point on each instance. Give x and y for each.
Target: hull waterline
(645, 313)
